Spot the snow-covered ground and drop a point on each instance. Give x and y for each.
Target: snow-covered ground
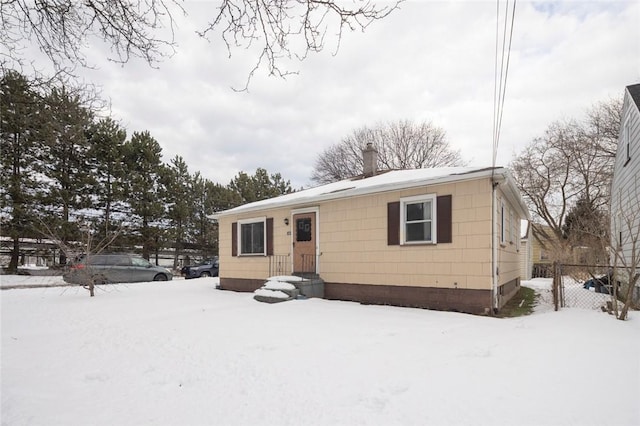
(184, 353)
(24, 281)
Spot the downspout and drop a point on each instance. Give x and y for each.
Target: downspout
(494, 249)
(495, 181)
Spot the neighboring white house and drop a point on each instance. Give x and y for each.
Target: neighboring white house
(625, 187)
(526, 255)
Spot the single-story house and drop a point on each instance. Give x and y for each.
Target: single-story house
(545, 245)
(625, 191)
(545, 249)
(443, 238)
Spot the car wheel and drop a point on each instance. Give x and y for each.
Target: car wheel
(205, 274)
(99, 279)
(160, 277)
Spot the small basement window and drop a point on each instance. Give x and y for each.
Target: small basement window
(252, 236)
(418, 219)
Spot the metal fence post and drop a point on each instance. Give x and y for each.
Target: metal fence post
(556, 286)
(561, 285)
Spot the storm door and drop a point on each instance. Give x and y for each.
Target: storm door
(304, 243)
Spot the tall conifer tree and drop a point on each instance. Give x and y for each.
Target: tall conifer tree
(106, 140)
(65, 160)
(144, 189)
(20, 121)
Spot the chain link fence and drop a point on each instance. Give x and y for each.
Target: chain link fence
(584, 286)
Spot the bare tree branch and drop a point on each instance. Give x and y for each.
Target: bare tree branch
(63, 29)
(571, 162)
(282, 29)
(400, 145)
(87, 247)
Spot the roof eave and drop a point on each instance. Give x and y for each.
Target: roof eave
(515, 196)
(474, 175)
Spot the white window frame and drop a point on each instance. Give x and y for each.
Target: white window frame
(626, 135)
(544, 253)
(262, 220)
(512, 226)
(403, 218)
(503, 230)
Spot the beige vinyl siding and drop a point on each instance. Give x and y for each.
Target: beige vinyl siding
(354, 246)
(508, 251)
(353, 242)
(525, 259)
(252, 266)
(537, 251)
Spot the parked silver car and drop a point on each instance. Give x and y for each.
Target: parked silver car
(115, 268)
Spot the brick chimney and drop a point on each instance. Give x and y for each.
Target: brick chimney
(370, 160)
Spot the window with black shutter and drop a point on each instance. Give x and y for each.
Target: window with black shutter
(424, 219)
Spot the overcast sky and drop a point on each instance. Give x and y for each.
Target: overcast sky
(428, 60)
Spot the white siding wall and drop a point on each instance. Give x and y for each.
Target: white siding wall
(625, 189)
(525, 259)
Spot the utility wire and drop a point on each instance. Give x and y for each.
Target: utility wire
(506, 72)
(495, 86)
(500, 79)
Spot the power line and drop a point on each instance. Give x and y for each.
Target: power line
(500, 79)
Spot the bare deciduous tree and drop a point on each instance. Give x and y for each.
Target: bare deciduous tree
(88, 246)
(603, 121)
(572, 161)
(587, 229)
(145, 28)
(544, 179)
(400, 145)
(61, 28)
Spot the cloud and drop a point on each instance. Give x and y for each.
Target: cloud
(429, 61)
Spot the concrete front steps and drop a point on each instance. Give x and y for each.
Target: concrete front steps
(282, 288)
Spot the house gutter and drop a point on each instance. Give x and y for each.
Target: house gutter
(286, 201)
(496, 180)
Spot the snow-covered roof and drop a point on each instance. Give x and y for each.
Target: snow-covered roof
(634, 91)
(385, 181)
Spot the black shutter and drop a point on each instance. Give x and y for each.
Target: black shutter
(234, 239)
(269, 236)
(393, 223)
(443, 206)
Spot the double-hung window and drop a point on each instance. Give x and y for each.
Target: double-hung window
(252, 236)
(418, 219)
(626, 137)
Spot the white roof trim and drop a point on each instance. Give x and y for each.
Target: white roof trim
(385, 182)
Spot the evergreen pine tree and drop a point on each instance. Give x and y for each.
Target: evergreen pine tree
(65, 160)
(179, 197)
(106, 140)
(144, 189)
(20, 121)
